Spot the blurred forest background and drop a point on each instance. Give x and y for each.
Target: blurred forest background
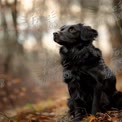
(30, 70)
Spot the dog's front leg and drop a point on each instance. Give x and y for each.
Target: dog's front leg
(96, 98)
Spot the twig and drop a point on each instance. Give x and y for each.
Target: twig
(4, 115)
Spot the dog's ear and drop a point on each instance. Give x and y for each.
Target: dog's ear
(88, 34)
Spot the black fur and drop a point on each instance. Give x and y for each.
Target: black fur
(90, 82)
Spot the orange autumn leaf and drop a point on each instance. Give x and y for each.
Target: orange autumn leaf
(91, 118)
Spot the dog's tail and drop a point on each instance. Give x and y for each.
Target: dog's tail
(116, 100)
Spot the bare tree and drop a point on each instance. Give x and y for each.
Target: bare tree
(10, 36)
(117, 29)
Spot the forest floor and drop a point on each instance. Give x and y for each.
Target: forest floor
(47, 105)
(55, 112)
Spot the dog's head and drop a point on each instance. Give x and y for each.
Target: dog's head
(73, 34)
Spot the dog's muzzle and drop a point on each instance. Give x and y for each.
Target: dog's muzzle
(56, 37)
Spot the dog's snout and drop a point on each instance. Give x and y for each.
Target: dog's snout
(55, 33)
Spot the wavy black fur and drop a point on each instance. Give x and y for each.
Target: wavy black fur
(91, 84)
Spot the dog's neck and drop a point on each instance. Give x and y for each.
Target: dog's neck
(78, 46)
(71, 50)
(81, 51)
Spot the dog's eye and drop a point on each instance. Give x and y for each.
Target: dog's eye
(72, 29)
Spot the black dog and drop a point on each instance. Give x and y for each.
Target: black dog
(91, 83)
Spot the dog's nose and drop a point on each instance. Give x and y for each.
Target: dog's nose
(55, 33)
